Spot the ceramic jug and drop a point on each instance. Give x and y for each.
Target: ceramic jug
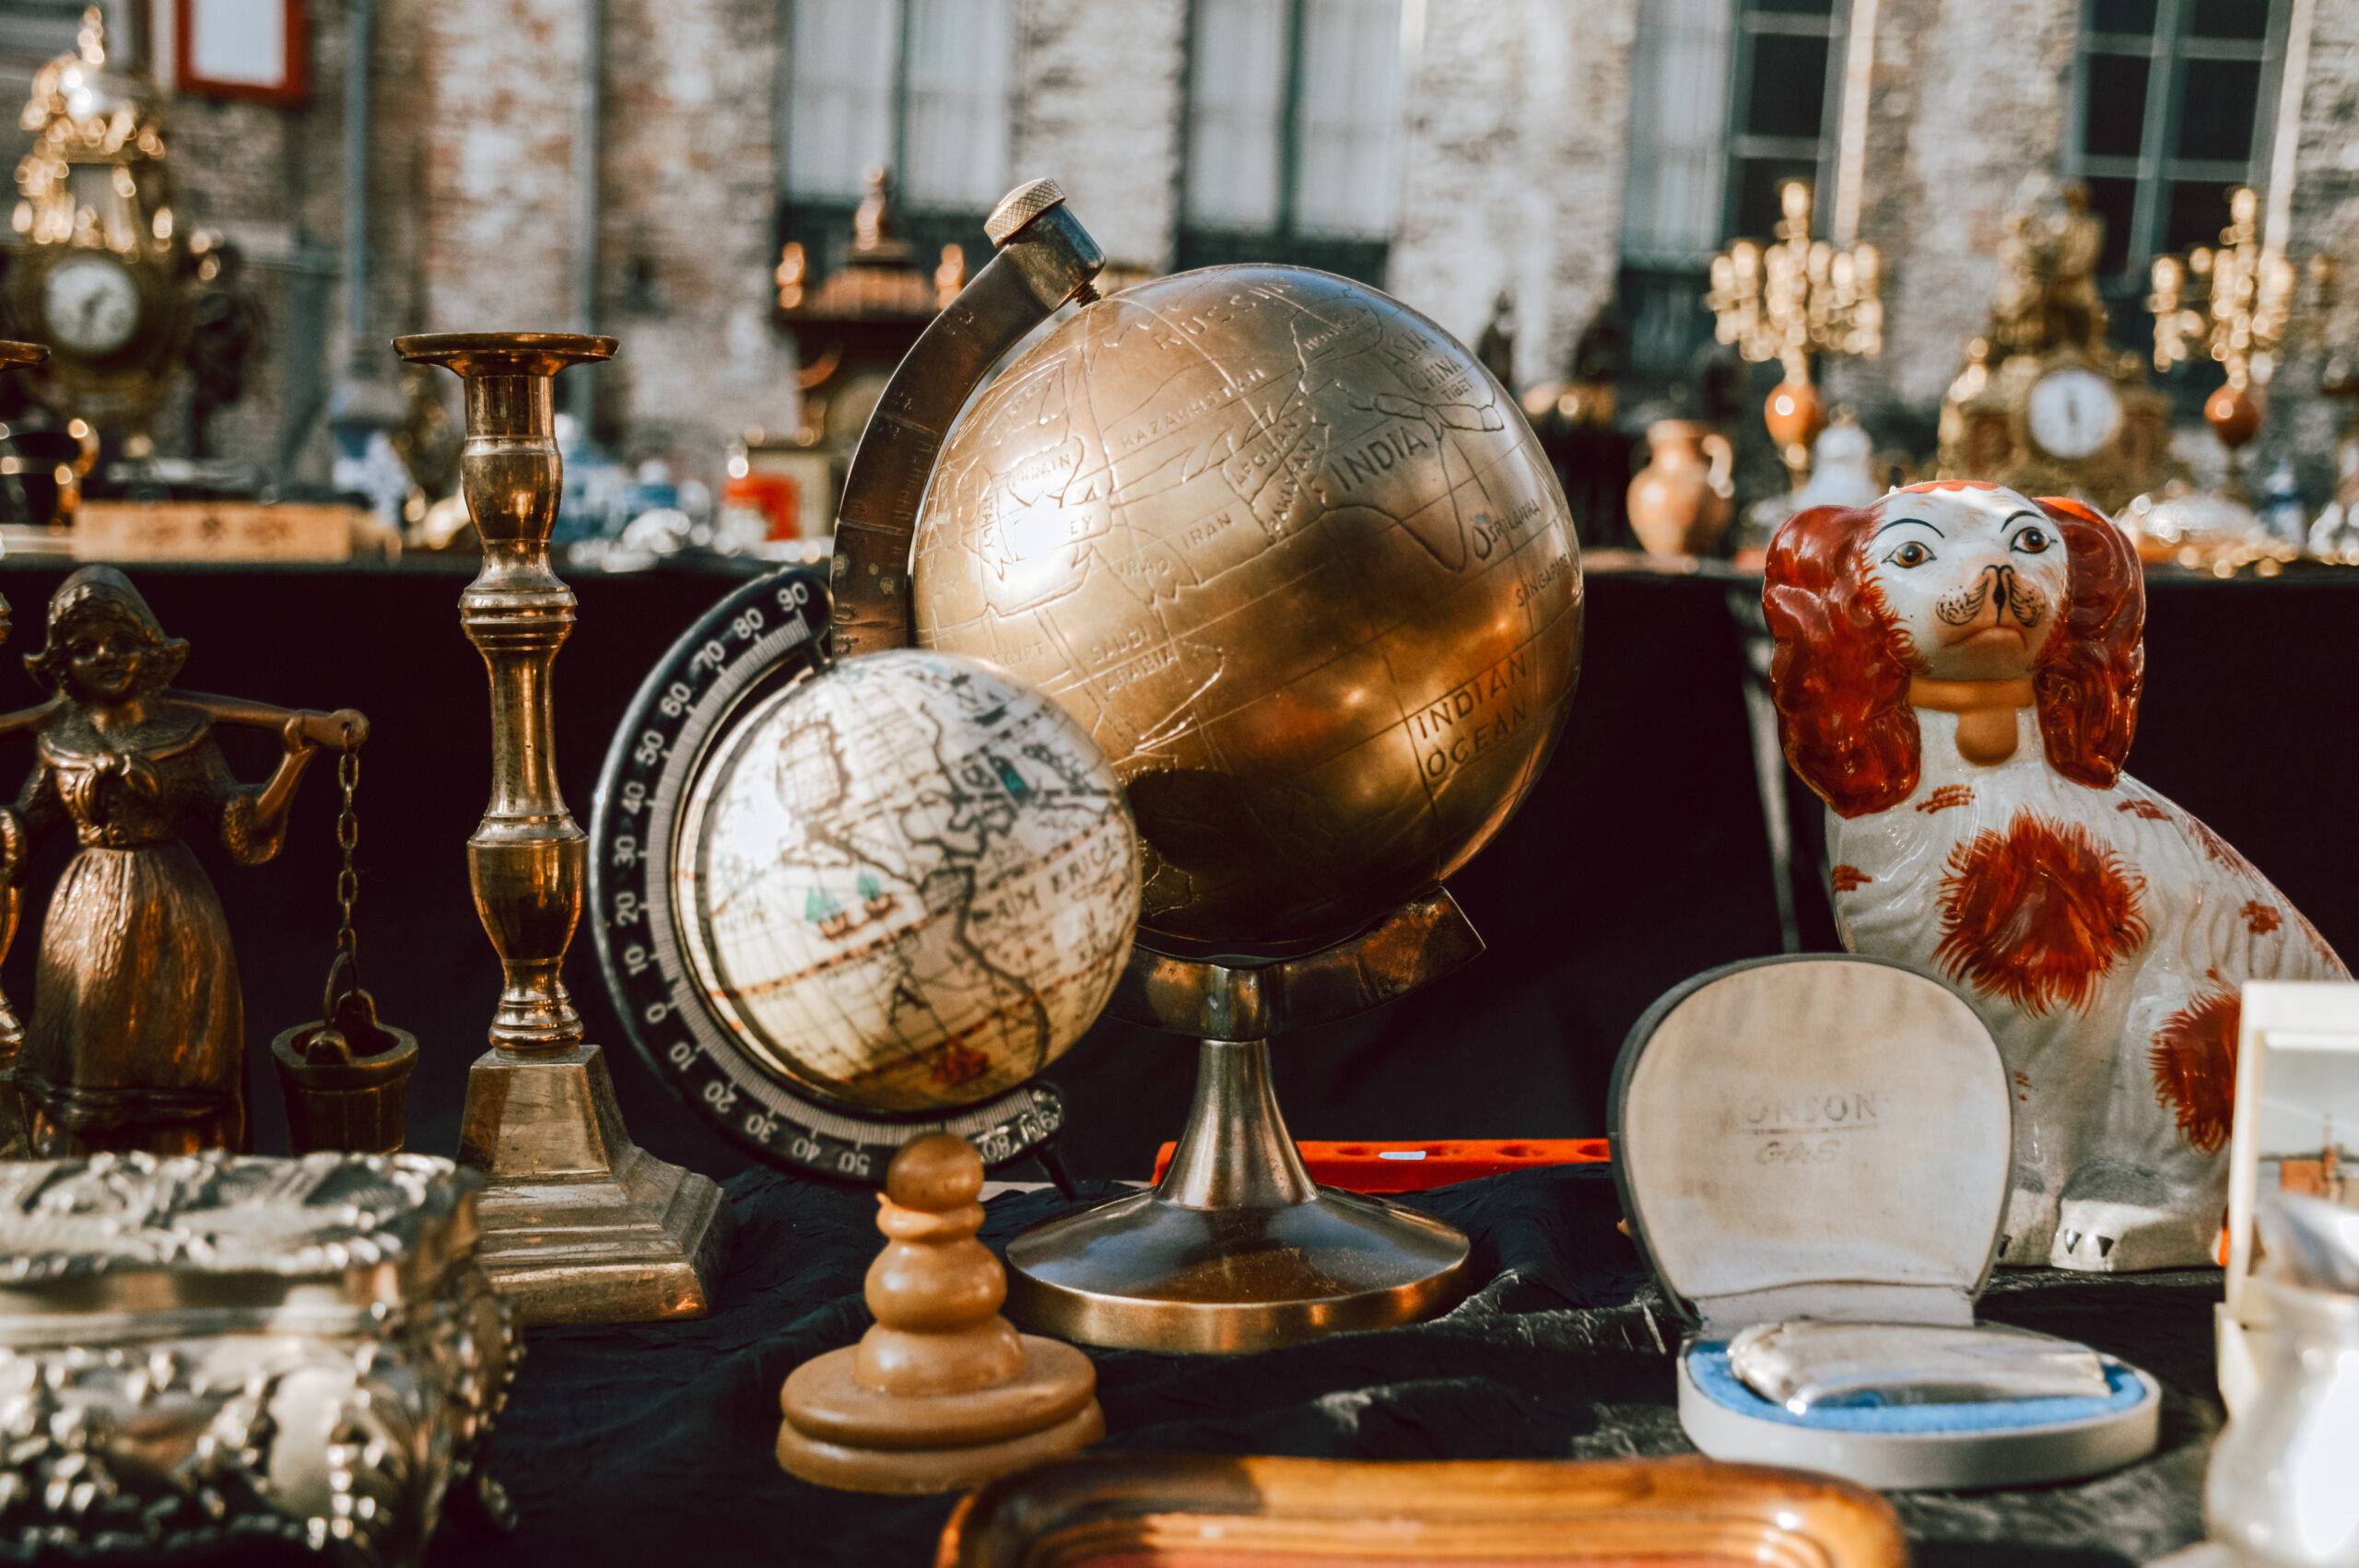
(1680, 501)
(2279, 1487)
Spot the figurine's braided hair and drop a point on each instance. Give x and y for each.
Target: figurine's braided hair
(102, 593)
(1840, 675)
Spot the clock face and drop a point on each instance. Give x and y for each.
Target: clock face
(2072, 413)
(90, 304)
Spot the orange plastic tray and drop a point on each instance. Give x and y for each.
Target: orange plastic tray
(1411, 1166)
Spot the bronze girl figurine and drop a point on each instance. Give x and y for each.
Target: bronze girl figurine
(137, 1034)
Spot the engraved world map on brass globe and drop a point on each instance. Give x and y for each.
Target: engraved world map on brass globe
(1295, 560)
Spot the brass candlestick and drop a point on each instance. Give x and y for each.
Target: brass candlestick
(580, 1224)
(2233, 302)
(1791, 300)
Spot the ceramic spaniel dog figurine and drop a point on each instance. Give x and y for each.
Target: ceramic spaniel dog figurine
(1957, 675)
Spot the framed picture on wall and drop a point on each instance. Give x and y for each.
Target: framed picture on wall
(249, 49)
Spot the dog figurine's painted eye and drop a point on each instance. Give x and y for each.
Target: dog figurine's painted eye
(2031, 541)
(1910, 554)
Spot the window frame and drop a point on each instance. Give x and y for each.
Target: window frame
(2155, 168)
(1196, 244)
(1748, 22)
(1660, 273)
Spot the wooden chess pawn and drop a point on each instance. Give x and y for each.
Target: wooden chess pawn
(942, 1394)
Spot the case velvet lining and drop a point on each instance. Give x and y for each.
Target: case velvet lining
(1708, 1362)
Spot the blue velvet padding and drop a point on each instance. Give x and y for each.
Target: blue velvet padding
(1708, 1362)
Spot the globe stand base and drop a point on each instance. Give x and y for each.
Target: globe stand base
(1236, 1249)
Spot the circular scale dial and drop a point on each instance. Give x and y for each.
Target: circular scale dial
(741, 918)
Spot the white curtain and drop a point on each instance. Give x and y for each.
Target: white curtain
(1349, 121)
(839, 94)
(958, 85)
(1236, 103)
(1678, 136)
(961, 103)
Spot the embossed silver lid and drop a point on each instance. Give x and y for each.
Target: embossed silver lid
(140, 1232)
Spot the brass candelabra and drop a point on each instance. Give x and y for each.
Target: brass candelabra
(2233, 303)
(1790, 302)
(580, 1224)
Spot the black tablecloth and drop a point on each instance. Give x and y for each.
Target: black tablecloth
(1639, 860)
(652, 1443)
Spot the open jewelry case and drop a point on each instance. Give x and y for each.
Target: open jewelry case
(1816, 1149)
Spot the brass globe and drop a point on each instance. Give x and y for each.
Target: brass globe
(1295, 560)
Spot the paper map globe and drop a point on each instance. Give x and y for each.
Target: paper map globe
(912, 882)
(1294, 561)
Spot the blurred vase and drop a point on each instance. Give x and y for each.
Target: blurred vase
(2280, 1491)
(1842, 469)
(1680, 503)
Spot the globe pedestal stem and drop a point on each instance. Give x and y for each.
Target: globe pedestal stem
(1234, 1152)
(580, 1225)
(1237, 1248)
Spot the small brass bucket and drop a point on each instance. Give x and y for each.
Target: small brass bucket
(342, 1102)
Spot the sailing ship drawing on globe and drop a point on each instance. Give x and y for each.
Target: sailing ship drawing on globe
(916, 882)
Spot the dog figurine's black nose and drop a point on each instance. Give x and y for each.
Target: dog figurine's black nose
(2003, 583)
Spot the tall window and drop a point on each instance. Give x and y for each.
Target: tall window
(2171, 111)
(1728, 100)
(922, 88)
(1293, 148)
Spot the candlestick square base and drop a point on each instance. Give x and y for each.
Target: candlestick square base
(579, 1224)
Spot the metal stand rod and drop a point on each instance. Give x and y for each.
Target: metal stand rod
(1236, 1249)
(1234, 1152)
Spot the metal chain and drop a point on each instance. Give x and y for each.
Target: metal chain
(347, 881)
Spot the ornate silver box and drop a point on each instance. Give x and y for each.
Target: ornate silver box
(203, 1347)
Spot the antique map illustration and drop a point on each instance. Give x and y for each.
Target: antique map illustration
(1295, 562)
(912, 883)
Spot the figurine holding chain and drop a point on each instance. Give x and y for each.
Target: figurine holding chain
(345, 1075)
(137, 1034)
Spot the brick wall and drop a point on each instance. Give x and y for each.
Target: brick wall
(1513, 167)
(1965, 98)
(2325, 218)
(1100, 114)
(688, 177)
(1512, 175)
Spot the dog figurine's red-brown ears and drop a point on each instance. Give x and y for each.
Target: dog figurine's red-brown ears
(1957, 674)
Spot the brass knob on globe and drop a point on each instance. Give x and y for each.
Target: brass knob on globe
(1019, 207)
(579, 1224)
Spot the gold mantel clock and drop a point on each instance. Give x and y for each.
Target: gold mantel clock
(2045, 405)
(103, 270)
